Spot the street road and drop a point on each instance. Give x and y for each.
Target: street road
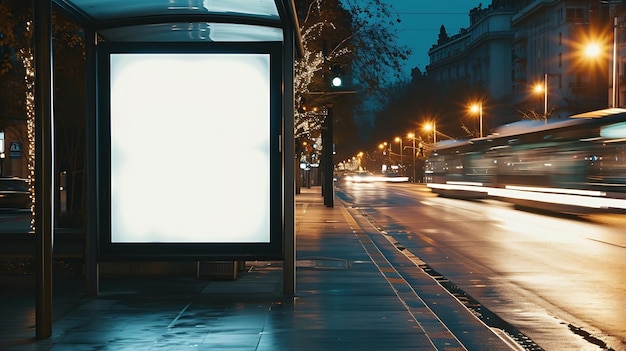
(557, 279)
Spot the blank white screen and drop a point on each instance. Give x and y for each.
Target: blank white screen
(190, 138)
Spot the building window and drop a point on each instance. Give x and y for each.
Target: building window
(575, 15)
(560, 39)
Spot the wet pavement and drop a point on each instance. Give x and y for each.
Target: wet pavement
(354, 291)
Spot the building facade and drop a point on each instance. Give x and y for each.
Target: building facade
(551, 40)
(479, 55)
(511, 47)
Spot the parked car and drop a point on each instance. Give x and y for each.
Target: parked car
(14, 194)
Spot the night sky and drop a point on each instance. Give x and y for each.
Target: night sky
(421, 21)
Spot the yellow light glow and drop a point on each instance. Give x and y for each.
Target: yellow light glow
(593, 50)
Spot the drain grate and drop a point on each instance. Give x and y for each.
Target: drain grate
(489, 318)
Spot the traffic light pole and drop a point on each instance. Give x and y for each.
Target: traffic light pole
(327, 158)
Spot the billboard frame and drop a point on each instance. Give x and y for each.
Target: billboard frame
(201, 250)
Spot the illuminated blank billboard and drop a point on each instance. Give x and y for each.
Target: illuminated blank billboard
(191, 150)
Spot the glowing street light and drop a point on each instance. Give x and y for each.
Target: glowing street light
(428, 127)
(383, 147)
(412, 136)
(399, 140)
(478, 108)
(594, 50)
(543, 88)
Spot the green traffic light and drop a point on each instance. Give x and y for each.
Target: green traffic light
(337, 82)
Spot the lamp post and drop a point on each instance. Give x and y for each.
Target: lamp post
(479, 108)
(428, 127)
(543, 88)
(545, 98)
(614, 73)
(412, 136)
(594, 50)
(385, 148)
(399, 140)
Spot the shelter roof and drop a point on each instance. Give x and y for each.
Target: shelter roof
(185, 20)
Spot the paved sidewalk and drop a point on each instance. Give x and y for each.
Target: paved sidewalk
(354, 291)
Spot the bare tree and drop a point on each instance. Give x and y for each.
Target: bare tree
(357, 35)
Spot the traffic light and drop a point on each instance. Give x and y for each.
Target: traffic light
(336, 76)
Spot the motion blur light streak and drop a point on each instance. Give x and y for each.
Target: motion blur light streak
(560, 198)
(614, 131)
(459, 187)
(557, 191)
(465, 183)
(578, 163)
(374, 178)
(572, 197)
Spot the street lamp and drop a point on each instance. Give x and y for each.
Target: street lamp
(412, 136)
(386, 152)
(383, 147)
(433, 126)
(543, 88)
(594, 50)
(478, 107)
(399, 140)
(615, 44)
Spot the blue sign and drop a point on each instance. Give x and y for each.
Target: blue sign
(15, 150)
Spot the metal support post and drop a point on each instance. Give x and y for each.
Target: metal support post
(327, 158)
(91, 236)
(289, 163)
(44, 164)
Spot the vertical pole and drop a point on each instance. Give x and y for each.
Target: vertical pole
(44, 164)
(545, 98)
(327, 157)
(401, 149)
(91, 235)
(615, 92)
(480, 107)
(414, 165)
(434, 132)
(289, 164)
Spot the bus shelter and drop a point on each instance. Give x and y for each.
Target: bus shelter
(192, 81)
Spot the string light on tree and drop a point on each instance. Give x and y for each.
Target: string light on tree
(29, 78)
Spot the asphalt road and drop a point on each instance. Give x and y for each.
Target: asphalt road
(557, 279)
